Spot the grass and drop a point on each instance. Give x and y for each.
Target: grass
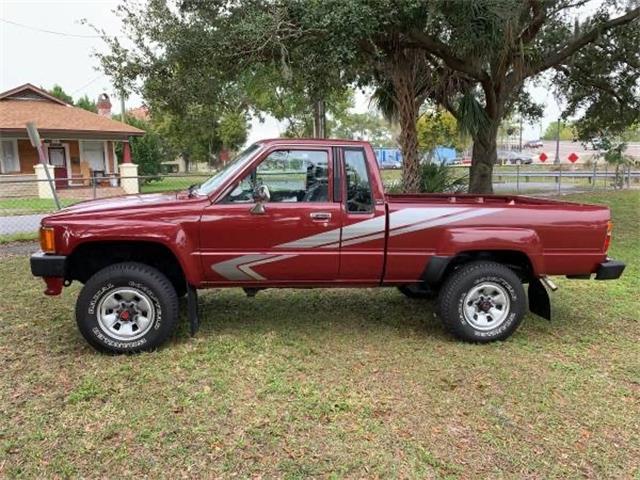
(18, 237)
(172, 183)
(329, 383)
(28, 206)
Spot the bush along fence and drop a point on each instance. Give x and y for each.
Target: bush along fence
(25, 200)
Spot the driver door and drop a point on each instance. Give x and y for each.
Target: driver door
(296, 240)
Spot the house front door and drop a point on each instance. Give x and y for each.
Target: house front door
(57, 158)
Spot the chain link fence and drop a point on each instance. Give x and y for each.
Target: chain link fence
(558, 179)
(21, 208)
(535, 179)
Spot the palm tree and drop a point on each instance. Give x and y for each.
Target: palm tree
(404, 81)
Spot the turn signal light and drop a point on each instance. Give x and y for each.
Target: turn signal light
(607, 239)
(47, 240)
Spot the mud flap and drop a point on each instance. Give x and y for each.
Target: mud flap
(192, 309)
(539, 302)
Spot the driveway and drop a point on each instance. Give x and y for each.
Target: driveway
(20, 224)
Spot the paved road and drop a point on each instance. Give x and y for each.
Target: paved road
(20, 224)
(541, 187)
(18, 248)
(566, 148)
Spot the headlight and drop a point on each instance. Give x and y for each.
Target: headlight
(47, 240)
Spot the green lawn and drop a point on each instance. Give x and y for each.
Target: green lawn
(18, 237)
(172, 183)
(329, 383)
(28, 206)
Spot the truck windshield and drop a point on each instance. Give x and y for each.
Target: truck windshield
(229, 170)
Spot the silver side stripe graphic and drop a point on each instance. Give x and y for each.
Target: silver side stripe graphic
(400, 222)
(239, 268)
(331, 236)
(401, 218)
(463, 215)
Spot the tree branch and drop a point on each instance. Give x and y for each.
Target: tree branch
(436, 47)
(589, 37)
(539, 17)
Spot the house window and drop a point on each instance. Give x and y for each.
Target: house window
(94, 155)
(9, 162)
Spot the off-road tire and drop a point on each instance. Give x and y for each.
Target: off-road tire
(418, 292)
(153, 285)
(462, 282)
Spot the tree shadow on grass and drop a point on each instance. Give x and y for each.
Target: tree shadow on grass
(300, 311)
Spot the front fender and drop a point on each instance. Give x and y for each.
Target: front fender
(180, 241)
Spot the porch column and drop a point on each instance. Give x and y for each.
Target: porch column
(44, 188)
(126, 152)
(128, 171)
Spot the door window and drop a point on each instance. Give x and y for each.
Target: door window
(9, 156)
(56, 157)
(291, 176)
(359, 198)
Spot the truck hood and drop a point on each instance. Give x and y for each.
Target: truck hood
(118, 203)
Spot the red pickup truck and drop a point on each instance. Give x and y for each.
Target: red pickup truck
(313, 213)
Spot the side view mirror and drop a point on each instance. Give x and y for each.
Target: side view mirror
(261, 195)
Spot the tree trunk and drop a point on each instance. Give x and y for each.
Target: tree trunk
(319, 119)
(408, 110)
(187, 161)
(409, 145)
(483, 158)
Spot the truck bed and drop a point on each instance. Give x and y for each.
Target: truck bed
(469, 198)
(558, 237)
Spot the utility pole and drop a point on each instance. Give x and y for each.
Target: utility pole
(557, 159)
(34, 137)
(520, 132)
(122, 114)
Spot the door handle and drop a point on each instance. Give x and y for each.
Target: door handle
(320, 216)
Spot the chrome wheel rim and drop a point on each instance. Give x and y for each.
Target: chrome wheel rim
(126, 313)
(486, 306)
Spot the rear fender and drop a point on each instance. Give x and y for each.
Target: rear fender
(468, 239)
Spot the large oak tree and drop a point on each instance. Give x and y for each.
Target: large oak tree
(473, 58)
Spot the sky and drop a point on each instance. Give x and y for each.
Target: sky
(63, 55)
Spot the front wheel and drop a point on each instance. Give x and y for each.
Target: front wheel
(127, 308)
(482, 302)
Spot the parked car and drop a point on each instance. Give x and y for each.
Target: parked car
(534, 144)
(391, 165)
(313, 213)
(514, 158)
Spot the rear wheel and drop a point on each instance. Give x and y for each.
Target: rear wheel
(127, 308)
(482, 302)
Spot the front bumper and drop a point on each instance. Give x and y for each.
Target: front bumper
(610, 270)
(48, 265)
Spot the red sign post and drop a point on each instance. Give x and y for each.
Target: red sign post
(543, 157)
(573, 157)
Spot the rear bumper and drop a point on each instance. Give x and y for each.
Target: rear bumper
(47, 265)
(610, 270)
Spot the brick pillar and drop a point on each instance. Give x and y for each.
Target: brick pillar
(126, 152)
